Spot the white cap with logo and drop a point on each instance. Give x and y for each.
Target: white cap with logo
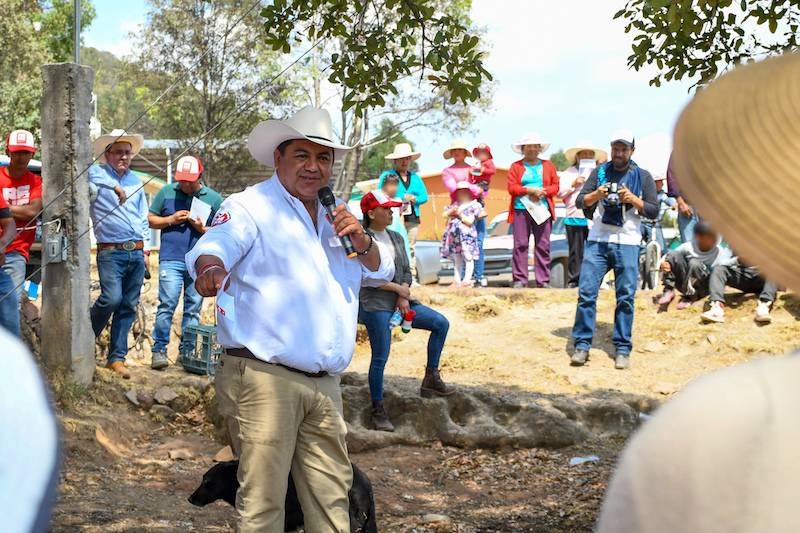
(624, 137)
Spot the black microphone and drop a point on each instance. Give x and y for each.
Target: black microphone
(325, 195)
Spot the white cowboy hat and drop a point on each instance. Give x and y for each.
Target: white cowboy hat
(104, 142)
(403, 150)
(572, 153)
(458, 144)
(310, 123)
(529, 138)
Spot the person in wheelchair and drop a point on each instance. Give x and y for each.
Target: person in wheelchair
(688, 268)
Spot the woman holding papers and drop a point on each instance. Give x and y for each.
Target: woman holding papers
(532, 184)
(584, 158)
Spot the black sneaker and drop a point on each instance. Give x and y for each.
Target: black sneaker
(579, 358)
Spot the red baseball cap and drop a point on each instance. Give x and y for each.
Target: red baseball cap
(484, 146)
(377, 198)
(188, 168)
(21, 140)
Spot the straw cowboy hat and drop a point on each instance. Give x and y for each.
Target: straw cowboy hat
(403, 150)
(104, 142)
(529, 138)
(458, 144)
(310, 123)
(572, 153)
(735, 159)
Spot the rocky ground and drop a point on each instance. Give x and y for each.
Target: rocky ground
(128, 468)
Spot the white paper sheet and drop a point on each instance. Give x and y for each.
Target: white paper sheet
(226, 307)
(586, 167)
(539, 210)
(200, 209)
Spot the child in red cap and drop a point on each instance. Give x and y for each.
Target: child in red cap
(483, 170)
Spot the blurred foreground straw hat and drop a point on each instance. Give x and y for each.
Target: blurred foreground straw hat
(737, 160)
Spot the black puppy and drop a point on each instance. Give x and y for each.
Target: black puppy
(221, 483)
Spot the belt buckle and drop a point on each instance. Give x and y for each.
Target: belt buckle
(129, 246)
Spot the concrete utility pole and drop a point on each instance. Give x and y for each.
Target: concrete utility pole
(67, 336)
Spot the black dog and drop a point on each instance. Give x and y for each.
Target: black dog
(221, 483)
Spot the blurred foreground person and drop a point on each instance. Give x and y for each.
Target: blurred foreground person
(722, 456)
(28, 443)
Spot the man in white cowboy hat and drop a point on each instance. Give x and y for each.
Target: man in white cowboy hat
(171, 212)
(584, 159)
(721, 456)
(287, 300)
(123, 240)
(411, 189)
(617, 195)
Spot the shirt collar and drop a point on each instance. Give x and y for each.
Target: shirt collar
(110, 170)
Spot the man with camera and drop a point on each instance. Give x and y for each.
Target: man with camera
(615, 197)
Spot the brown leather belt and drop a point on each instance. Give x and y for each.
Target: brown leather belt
(128, 246)
(247, 354)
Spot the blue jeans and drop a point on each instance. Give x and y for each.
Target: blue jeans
(480, 225)
(686, 225)
(121, 275)
(9, 307)
(174, 277)
(15, 266)
(380, 340)
(598, 259)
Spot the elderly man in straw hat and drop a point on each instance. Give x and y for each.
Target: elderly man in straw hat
(123, 240)
(722, 455)
(287, 299)
(411, 189)
(584, 159)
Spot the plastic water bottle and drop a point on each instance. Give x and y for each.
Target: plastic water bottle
(407, 321)
(396, 319)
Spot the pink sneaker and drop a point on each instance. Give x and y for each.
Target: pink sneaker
(685, 302)
(666, 298)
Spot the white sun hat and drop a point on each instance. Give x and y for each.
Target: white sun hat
(310, 123)
(572, 153)
(458, 144)
(403, 150)
(104, 142)
(529, 138)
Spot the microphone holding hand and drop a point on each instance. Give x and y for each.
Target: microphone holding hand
(328, 201)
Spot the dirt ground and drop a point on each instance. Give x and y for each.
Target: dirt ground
(118, 477)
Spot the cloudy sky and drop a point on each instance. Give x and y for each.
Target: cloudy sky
(561, 68)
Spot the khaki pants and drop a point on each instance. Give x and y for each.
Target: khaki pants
(412, 228)
(279, 421)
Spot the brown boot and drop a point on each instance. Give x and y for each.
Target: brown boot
(120, 368)
(380, 417)
(433, 385)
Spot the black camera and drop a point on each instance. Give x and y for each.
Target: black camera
(613, 193)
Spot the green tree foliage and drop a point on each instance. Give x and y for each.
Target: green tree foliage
(386, 138)
(559, 159)
(383, 43)
(700, 38)
(57, 28)
(175, 35)
(34, 33)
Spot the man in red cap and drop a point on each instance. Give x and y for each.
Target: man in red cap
(182, 211)
(22, 191)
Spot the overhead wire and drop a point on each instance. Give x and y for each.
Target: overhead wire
(200, 139)
(140, 117)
